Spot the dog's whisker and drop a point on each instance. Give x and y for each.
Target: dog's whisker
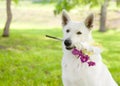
(60, 39)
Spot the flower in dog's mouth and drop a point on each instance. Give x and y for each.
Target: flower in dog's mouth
(84, 58)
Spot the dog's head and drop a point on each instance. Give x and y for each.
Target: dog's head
(76, 32)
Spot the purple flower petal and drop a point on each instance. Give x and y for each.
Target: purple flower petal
(75, 51)
(84, 58)
(80, 53)
(91, 63)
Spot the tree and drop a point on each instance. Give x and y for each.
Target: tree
(103, 15)
(69, 4)
(118, 2)
(9, 18)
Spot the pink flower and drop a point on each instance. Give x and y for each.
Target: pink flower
(91, 63)
(84, 58)
(76, 52)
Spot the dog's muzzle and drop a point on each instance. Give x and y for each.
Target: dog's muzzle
(68, 44)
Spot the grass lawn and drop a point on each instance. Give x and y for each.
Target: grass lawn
(27, 58)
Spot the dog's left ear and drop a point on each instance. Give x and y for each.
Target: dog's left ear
(89, 21)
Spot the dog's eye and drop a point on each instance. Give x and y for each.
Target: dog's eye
(67, 30)
(78, 33)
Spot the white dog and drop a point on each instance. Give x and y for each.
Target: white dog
(77, 71)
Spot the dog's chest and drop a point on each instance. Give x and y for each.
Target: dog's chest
(75, 71)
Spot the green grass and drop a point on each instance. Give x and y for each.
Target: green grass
(27, 58)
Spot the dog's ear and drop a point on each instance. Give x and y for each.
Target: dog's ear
(65, 17)
(89, 21)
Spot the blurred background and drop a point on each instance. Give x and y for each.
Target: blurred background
(28, 58)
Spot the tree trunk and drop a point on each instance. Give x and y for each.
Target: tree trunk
(9, 18)
(103, 16)
(118, 2)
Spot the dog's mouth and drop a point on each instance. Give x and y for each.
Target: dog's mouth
(70, 47)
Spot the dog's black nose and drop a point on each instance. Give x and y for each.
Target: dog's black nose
(67, 42)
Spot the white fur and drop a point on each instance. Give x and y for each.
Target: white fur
(75, 73)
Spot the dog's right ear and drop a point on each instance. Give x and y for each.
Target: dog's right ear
(65, 17)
